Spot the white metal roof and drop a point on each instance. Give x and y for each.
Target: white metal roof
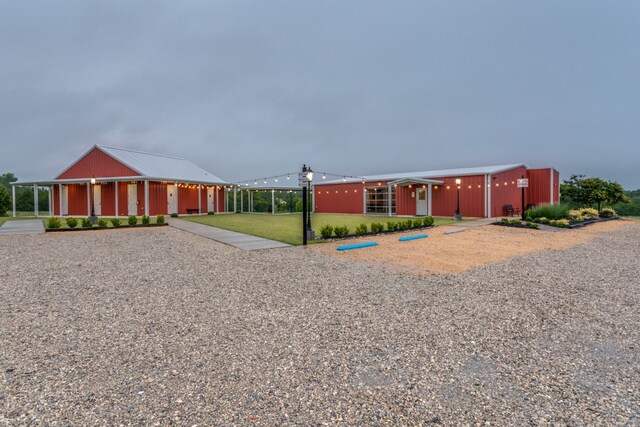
(442, 173)
(159, 166)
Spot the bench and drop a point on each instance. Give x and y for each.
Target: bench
(511, 210)
(193, 211)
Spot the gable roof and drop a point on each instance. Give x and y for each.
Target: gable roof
(156, 166)
(442, 173)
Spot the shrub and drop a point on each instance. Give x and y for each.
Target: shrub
(576, 215)
(174, 215)
(208, 213)
(549, 211)
(5, 201)
(54, 222)
(102, 222)
(404, 225)
(608, 213)
(132, 220)
(515, 222)
(533, 225)
(392, 226)
(561, 223)
(341, 231)
(428, 221)
(377, 227)
(326, 231)
(86, 223)
(362, 229)
(505, 220)
(160, 219)
(71, 222)
(115, 222)
(589, 213)
(146, 220)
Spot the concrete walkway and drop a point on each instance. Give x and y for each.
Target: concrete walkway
(11, 228)
(232, 238)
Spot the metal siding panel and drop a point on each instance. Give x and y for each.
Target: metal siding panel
(556, 186)
(405, 204)
(539, 190)
(56, 201)
(340, 198)
(471, 199)
(99, 164)
(108, 198)
(77, 204)
(508, 194)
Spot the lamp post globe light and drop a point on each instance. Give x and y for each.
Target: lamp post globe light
(457, 215)
(94, 219)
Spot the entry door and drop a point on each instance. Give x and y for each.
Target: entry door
(132, 199)
(64, 209)
(171, 199)
(209, 199)
(97, 200)
(421, 202)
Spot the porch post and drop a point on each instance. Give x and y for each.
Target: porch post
(389, 199)
(429, 200)
(88, 198)
(50, 200)
(235, 199)
(60, 199)
(273, 202)
(116, 185)
(199, 200)
(241, 202)
(146, 197)
(175, 203)
(13, 198)
(35, 199)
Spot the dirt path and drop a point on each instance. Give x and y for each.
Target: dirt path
(440, 253)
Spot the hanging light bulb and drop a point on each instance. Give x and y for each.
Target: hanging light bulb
(265, 181)
(324, 176)
(276, 179)
(288, 177)
(255, 183)
(344, 178)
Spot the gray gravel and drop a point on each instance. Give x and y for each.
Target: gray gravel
(161, 327)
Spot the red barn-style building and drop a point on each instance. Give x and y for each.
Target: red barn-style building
(129, 182)
(484, 192)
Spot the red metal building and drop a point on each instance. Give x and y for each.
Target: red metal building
(123, 182)
(483, 192)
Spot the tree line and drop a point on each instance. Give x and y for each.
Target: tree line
(24, 196)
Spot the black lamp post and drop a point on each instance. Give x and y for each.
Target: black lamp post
(94, 219)
(305, 178)
(457, 216)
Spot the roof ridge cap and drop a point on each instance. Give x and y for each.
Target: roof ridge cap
(139, 152)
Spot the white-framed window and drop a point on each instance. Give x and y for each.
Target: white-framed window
(378, 198)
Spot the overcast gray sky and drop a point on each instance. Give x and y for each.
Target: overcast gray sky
(249, 89)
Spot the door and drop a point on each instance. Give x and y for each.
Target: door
(421, 202)
(171, 199)
(132, 199)
(64, 210)
(209, 199)
(97, 200)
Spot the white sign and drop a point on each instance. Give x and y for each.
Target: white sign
(523, 182)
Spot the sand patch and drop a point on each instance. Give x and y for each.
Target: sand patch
(476, 246)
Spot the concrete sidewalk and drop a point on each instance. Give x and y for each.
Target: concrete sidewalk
(232, 238)
(11, 228)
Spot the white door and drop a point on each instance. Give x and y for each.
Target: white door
(209, 199)
(421, 202)
(171, 199)
(64, 211)
(132, 199)
(97, 200)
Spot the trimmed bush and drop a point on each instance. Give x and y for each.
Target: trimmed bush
(86, 223)
(208, 213)
(549, 211)
(341, 231)
(533, 225)
(326, 231)
(160, 219)
(505, 220)
(71, 222)
(428, 221)
(102, 222)
(174, 215)
(146, 220)
(377, 227)
(362, 229)
(560, 223)
(589, 213)
(54, 222)
(576, 215)
(132, 220)
(391, 226)
(115, 222)
(608, 213)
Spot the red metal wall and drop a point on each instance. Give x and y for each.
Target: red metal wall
(99, 164)
(107, 196)
(405, 204)
(539, 190)
(504, 191)
(56, 201)
(444, 200)
(340, 198)
(77, 205)
(556, 186)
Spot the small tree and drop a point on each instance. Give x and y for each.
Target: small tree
(592, 191)
(5, 201)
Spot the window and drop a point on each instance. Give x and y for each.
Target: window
(378, 200)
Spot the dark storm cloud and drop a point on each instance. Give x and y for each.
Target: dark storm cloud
(250, 89)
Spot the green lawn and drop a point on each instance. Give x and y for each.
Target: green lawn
(288, 228)
(19, 216)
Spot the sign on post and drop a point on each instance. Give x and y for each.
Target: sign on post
(523, 182)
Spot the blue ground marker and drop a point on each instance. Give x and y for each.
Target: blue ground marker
(358, 246)
(418, 236)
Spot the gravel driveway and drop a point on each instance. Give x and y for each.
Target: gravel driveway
(161, 327)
